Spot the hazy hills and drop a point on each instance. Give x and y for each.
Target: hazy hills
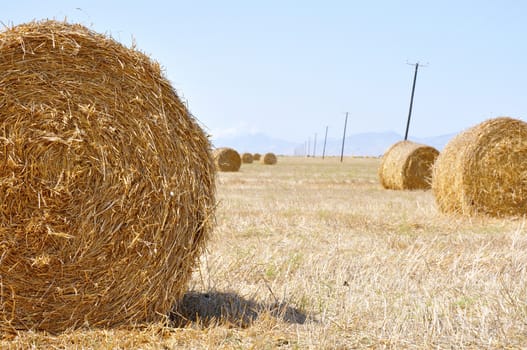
(365, 144)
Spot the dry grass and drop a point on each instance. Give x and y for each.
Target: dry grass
(314, 254)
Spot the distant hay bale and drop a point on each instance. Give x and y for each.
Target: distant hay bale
(407, 165)
(107, 182)
(247, 158)
(269, 159)
(227, 159)
(257, 156)
(483, 170)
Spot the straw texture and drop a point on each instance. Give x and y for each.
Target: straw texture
(256, 157)
(407, 165)
(247, 158)
(483, 170)
(106, 182)
(227, 159)
(269, 159)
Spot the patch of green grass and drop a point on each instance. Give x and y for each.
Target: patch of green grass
(464, 302)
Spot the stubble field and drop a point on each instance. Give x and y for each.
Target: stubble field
(314, 254)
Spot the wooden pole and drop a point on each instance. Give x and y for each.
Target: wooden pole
(411, 103)
(344, 138)
(325, 139)
(315, 146)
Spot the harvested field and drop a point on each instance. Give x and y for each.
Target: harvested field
(315, 254)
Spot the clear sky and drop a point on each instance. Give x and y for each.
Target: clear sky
(289, 68)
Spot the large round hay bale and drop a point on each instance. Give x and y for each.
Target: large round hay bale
(407, 165)
(269, 159)
(247, 158)
(227, 159)
(256, 157)
(483, 170)
(106, 182)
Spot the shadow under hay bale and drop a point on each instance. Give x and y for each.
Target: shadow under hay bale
(107, 182)
(483, 170)
(407, 165)
(228, 308)
(227, 159)
(269, 159)
(247, 158)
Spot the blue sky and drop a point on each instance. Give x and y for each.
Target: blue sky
(289, 68)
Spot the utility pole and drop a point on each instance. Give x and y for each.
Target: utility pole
(308, 146)
(325, 139)
(411, 99)
(315, 146)
(344, 138)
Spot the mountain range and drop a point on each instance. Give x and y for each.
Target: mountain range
(363, 144)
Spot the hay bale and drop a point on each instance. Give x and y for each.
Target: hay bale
(227, 159)
(247, 158)
(269, 159)
(483, 170)
(256, 157)
(106, 182)
(407, 165)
